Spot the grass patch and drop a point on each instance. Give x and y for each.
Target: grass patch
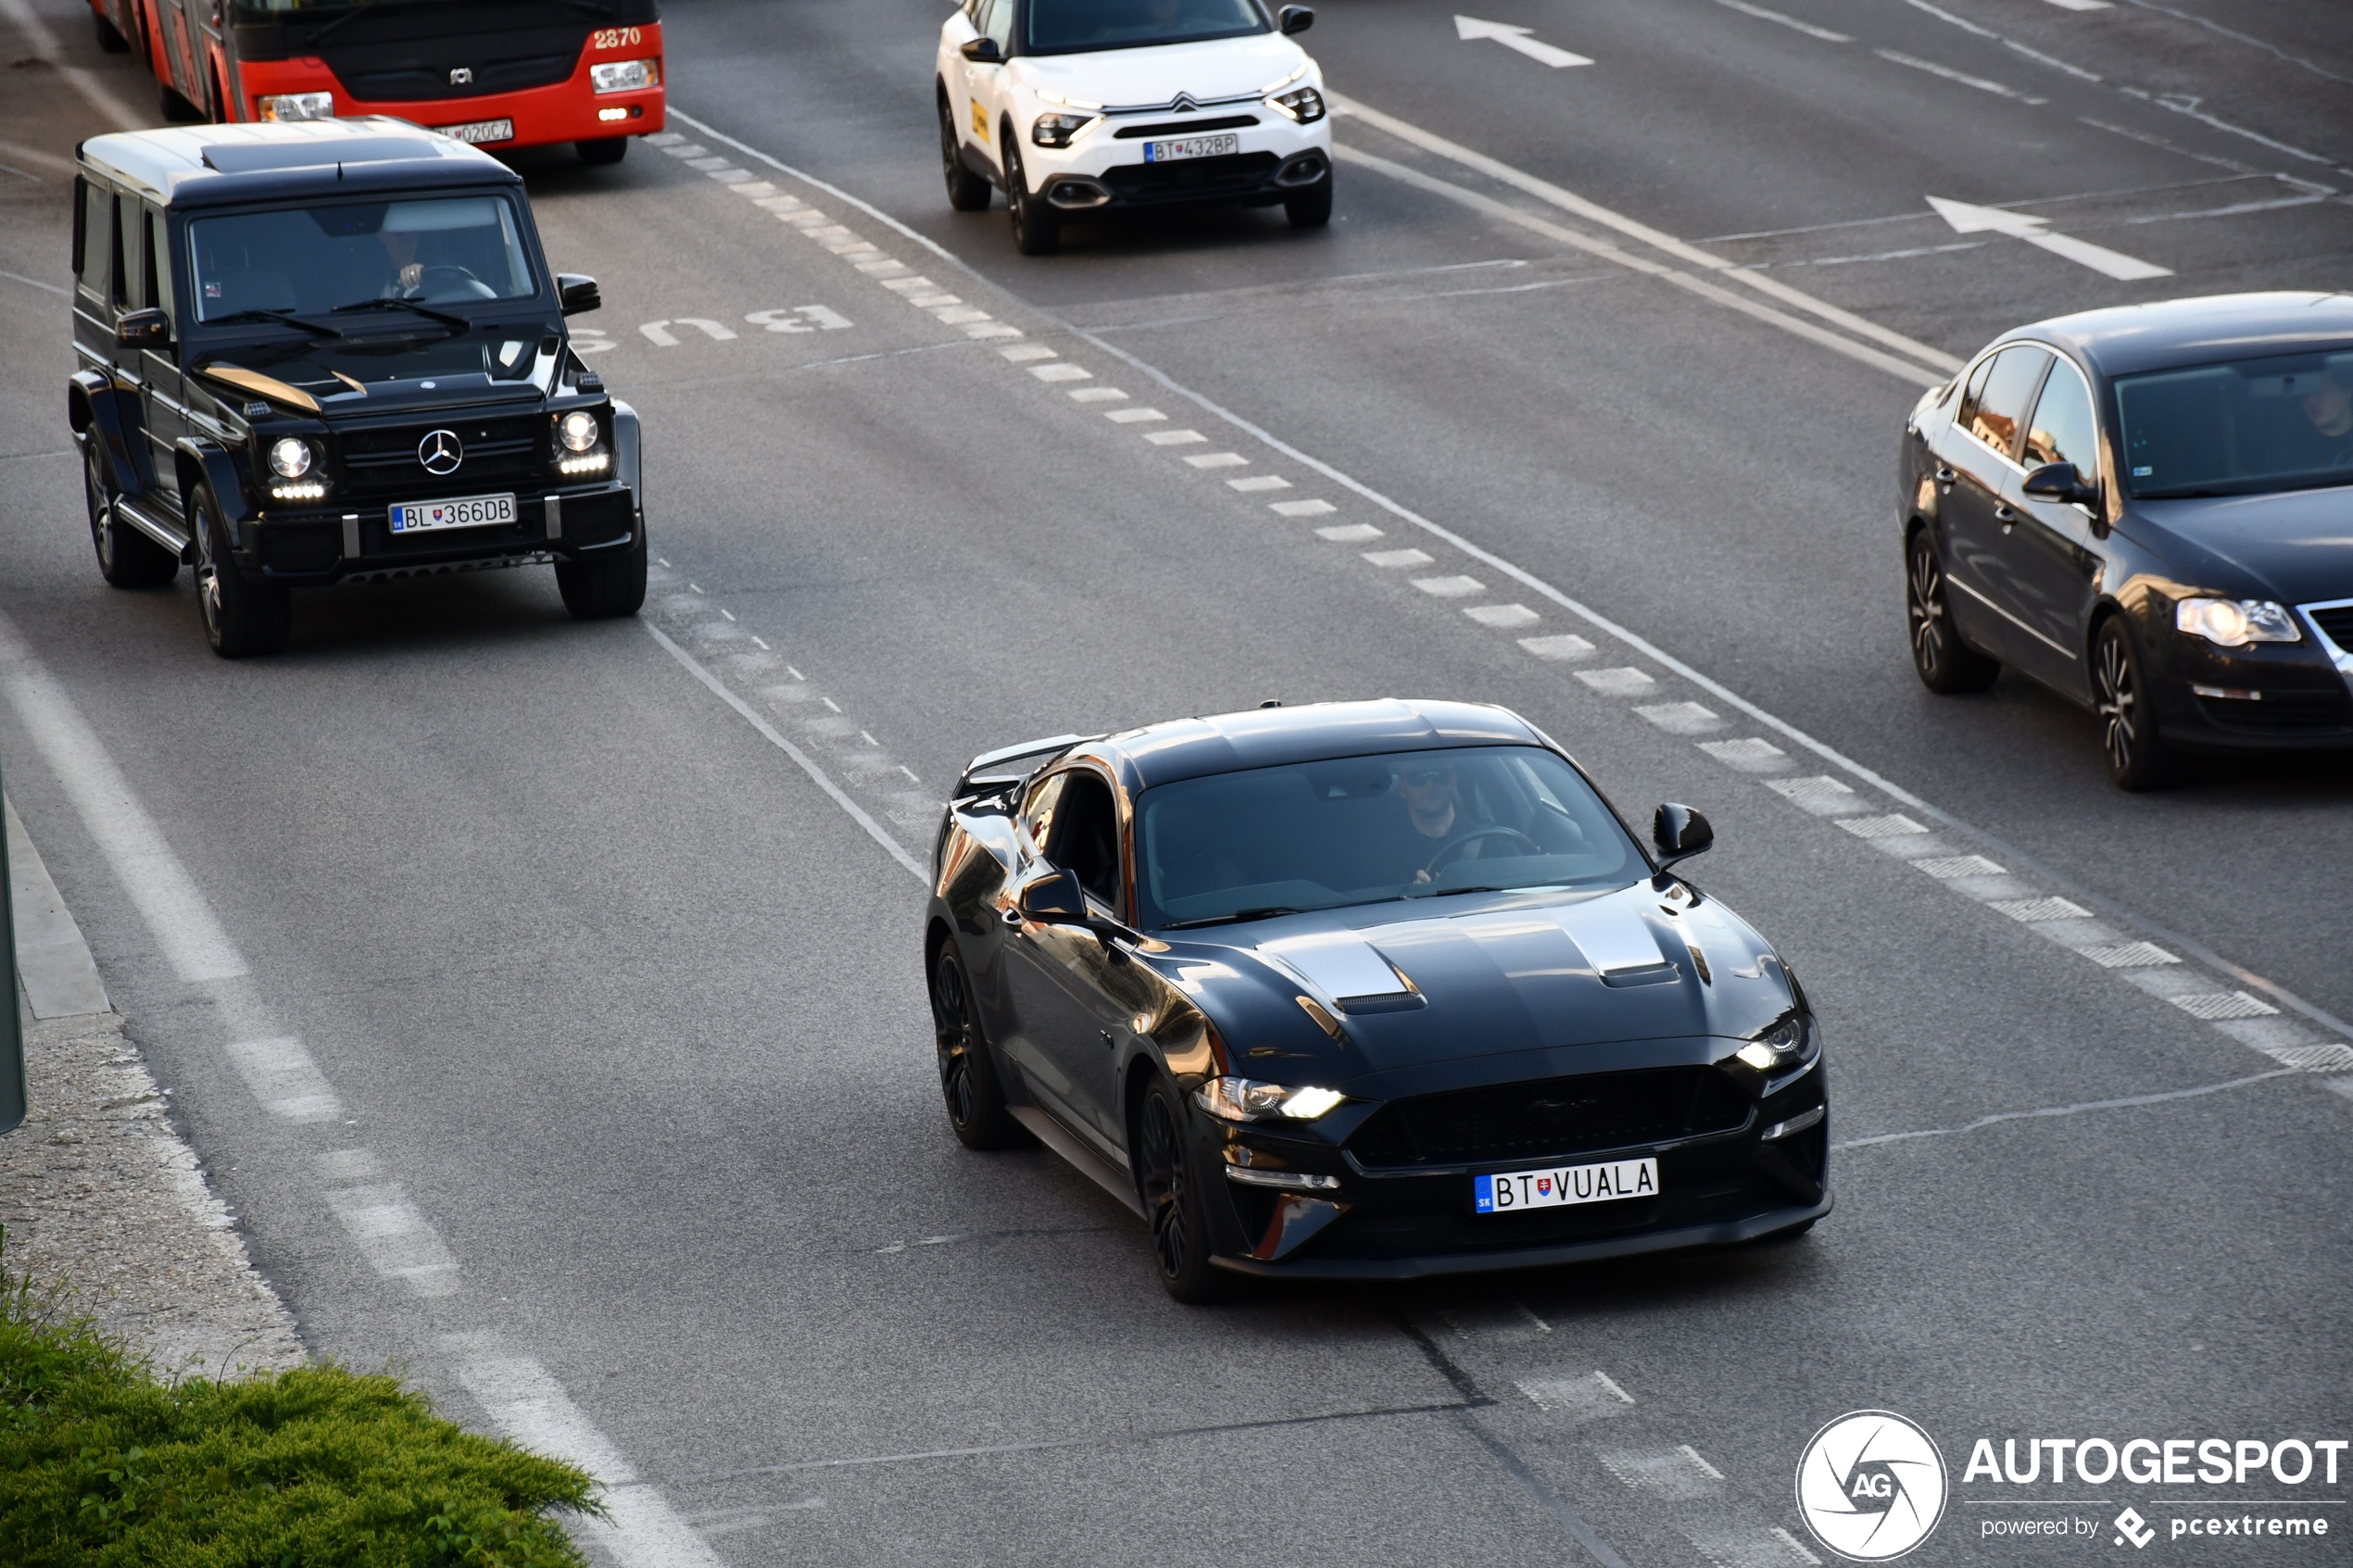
(103, 1465)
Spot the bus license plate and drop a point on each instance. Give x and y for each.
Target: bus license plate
(480, 130)
(1191, 146)
(1514, 1190)
(471, 512)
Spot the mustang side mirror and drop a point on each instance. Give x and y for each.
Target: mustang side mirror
(576, 293)
(1295, 18)
(1057, 900)
(2060, 482)
(143, 329)
(983, 52)
(1680, 832)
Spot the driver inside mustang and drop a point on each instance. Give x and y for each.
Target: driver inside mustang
(1433, 805)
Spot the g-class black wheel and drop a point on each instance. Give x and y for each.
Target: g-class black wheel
(127, 559)
(606, 586)
(1945, 663)
(967, 1072)
(241, 619)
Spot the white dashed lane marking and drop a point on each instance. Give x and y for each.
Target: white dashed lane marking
(1392, 558)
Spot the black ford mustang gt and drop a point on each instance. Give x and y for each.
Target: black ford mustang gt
(1364, 990)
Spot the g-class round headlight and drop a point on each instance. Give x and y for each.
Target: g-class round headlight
(577, 431)
(289, 459)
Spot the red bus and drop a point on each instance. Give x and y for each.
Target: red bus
(499, 73)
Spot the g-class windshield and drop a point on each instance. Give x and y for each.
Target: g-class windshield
(345, 257)
(1065, 27)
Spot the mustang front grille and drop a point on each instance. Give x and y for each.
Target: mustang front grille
(1549, 1117)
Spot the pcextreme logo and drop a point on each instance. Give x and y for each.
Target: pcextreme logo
(1871, 1485)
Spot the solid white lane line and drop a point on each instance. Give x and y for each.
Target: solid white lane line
(1825, 34)
(1901, 369)
(807, 764)
(2122, 1102)
(53, 960)
(524, 1399)
(1820, 795)
(1949, 74)
(1593, 212)
(184, 927)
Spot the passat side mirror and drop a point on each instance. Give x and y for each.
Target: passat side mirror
(143, 329)
(2060, 482)
(576, 293)
(1295, 18)
(1055, 900)
(983, 52)
(1680, 832)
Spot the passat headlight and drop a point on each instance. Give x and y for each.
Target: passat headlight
(625, 76)
(577, 431)
(1303, 104)
(2233, 623)
(289, 459)
(1787, 1044)
(1059, 130)
(1246, 1099)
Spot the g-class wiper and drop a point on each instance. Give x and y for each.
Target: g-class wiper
(1264, 912)
(459, 322)
(284, 317)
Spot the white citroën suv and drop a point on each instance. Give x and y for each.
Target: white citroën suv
(1076, 106)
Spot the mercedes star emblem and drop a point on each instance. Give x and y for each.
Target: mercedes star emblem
(441, 451)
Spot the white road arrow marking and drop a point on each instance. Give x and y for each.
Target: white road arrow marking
(1967, 220)
(1520, 38)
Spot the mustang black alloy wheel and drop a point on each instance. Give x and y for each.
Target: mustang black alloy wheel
(1037, 231)
(967, 1073)
(1163, 1179)
(127, 559)
(967, 192)
(2137, 758)
(240, 618)
(1945, 663)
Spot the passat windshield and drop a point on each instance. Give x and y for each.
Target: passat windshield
(1064, 27)
(1415, 825)
(343, 257)
(2240, 426)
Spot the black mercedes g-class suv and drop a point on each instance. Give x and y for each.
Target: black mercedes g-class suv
(331, 351)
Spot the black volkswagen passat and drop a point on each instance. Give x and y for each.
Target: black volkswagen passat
(2148, 510)
(1364, 990)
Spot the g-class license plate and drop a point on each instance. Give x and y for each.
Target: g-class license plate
(1191, 146)
(473, 511)
(480, 130)
(1513, 1190)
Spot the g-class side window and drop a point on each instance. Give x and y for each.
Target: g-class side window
(94, 241)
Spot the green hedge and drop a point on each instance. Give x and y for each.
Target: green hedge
(104, 1466)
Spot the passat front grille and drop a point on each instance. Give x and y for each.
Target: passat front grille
(2337, 621)
(1550, 1117)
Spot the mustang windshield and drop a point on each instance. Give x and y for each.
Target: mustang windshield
(1064, 27)
(1362, 829)
(2241, 427)
(311, 260)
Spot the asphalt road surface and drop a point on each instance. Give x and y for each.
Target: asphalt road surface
(544, 998)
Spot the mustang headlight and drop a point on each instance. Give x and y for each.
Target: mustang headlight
(2233, 623)
(289, 458)
(1303, 104)
(1059, 130)
(1786, 1045)
(1247, 1100)
(625, 76)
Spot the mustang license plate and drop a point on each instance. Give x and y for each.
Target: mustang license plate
(1514, 1190)
(479, 131)
(473, 511)
(1191, 146)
